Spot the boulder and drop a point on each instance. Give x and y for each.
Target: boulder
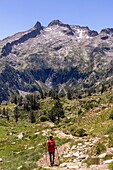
(101, 156)
(108, 161)
(20, 136)
(1, 160)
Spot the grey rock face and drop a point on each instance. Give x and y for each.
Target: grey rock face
(107, 31)
(59, 55)
(33, 33)
(55, 22)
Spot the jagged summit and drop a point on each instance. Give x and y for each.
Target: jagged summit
(59, 23)
(55, 22)
(38, 25)
(107, 31)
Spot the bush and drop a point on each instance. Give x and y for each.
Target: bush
(110, 130)
(111, 166)
(77, 132)
(72, 130)
(99, 148)
(110, 144)
(107, 157)
(88, 106)
(93, 161)
(81, 132)
(111, 115)
(43, 118)
(80, 112)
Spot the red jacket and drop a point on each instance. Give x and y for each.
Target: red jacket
(51, 145)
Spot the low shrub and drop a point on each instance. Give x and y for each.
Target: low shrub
(81, 132)
(110, 166)
(99, 148)
(79, 112)
(92, 161)
(43, 118)
(110, 141)
(110, 130)
(107, 157)
(111, 115)
(73, 129)
(88, 106)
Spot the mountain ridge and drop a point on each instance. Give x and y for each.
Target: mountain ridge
(58, 55)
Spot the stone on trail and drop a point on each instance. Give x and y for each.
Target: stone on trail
(1, 160)
(20, 136)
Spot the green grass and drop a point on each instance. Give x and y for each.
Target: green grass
(111, 166)
(94, 118)
(93, 161)
(24, 152)
(20, 152)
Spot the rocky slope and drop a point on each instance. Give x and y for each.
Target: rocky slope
(59, 55)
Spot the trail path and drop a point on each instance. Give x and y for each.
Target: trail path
(72, 157)
(44, 161)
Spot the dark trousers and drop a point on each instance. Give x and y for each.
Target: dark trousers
(52, 157)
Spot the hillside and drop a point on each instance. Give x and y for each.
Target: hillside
(60, 56)
(84, 135)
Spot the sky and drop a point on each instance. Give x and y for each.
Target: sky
(21, 15)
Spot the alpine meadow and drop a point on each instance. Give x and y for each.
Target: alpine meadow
(57, 80)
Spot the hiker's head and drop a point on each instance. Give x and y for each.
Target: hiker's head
(51, 136)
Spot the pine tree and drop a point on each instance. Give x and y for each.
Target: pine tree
(41, 94)
(16, 113)
(26, 107)
(26, 104)
(56, 112)
(20, 101)
(4, 111)
(0, 111)
(53, 94)
(16, 99)
(32, 117)
(69, 94)
(103, 88)
(7, 114)
(35, 105)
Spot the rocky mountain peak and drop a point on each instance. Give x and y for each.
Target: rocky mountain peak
(107, 31)
(38, 25)
(59, 23)
(55, 22)
(92, 33)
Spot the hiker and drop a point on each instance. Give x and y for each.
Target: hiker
(51, 146)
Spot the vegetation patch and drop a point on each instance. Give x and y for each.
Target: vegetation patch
(24, 135)
(111, 166)
(99, 148)
(93, 161)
